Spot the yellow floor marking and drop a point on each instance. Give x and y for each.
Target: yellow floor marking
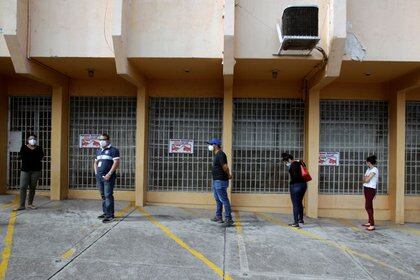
(238, 224)
(12, 203)
(185, 246)
(341, 247)
(407, 229)
(121, 213)
(8, 244)
(349, 224)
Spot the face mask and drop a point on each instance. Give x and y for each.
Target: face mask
(211, 148)
(288, 164)
(32, 142)
(103, 143)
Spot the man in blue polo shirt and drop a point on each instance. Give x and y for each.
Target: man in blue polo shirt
(106, 163)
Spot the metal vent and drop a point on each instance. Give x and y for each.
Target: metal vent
(298, 31)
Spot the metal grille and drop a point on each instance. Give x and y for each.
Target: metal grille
(412, 151)
(95, 115)
(30, 114)
(197, 119)
(355, 129)
(263, 129)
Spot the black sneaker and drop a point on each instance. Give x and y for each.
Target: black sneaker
(296, 225)
(108, 220)
(228, 223)
(301, 222)
(101, 217)
(217, 220)
(20, 208)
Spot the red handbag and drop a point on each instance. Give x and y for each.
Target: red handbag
(305, 173)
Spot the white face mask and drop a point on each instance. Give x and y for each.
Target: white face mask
(103, 143)
(288, 164)
(211, 148)
(32, 142)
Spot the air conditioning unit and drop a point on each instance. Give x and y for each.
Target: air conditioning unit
(298, 30)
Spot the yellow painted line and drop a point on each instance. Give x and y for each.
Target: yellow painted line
(407, 229)
(8, 245)
(350, 225)
(238, 224)
(12, 203)
(341, 247)
(70, 252)
(184, 245)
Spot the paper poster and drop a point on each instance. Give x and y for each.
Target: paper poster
(329, 158)
(89, 141)
(181, 146)
(15, 141)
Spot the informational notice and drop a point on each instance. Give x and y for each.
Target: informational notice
(89, 141)
(15, 141)
(181, 146)
(329, 158)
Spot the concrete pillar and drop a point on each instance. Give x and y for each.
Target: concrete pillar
(227, 136)
(397, 156)
(141, 146)
(312, 120)
(3, 136)
(59, 142)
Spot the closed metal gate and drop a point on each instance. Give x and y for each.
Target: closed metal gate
(95, 115)
(412, 151)
(263, 129)
(355, 129)
(30, 114)
(197, 119)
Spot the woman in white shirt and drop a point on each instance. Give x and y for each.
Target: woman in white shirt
(370, 182)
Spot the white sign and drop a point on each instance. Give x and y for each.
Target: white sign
(89, 141)
(181, 146)
(15, 141)
(329, 158)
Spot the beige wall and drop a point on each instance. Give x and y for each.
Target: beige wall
(255, 25)
(7, 22)
(176, 28)
(76, 28)
(387, 29)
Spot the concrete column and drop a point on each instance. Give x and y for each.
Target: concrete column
(141, 146)
(312, 120)
(397, 156)
(59, 142)
(3, 136)
(227, 136)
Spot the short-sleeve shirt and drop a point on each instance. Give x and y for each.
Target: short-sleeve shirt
(219, 160)
(105, 159)
(374, 181)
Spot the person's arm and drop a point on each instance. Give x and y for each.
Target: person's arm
(227, 171)
(366, 179)
(95, 166)
(41, 153)
(113, 169)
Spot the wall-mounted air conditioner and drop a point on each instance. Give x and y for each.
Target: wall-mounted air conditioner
(298, 30)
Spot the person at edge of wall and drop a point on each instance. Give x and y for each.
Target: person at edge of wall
(31, 155)
(370, 182)
(106, 163)
(221, 176)
(297, 187)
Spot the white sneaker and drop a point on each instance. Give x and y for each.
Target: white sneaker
(33, 207)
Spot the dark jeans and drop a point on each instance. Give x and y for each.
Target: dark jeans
(297, 192)
(106, 188)
(369, 196)
(28, 179)
(222, 199)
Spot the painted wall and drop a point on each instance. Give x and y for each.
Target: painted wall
(7, 23)
(255, 25)
(76, 28)
(176, 28)
(386, 29)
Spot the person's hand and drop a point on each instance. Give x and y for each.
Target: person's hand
(107, 177)
(230, 177)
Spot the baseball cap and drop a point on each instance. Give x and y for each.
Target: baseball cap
(214, 141)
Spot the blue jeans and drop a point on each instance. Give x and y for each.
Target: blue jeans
(222, 199)
(297, 192)
(106, 188)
